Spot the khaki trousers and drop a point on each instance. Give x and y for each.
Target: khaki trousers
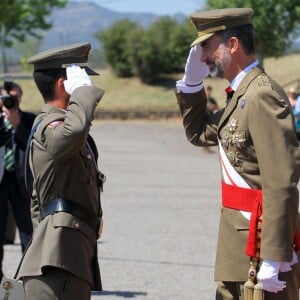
(56, 284)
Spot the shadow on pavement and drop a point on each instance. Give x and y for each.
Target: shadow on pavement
(123, 294)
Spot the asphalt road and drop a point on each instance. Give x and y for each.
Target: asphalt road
(161, 208)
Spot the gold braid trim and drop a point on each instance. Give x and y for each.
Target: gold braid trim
(211, 30)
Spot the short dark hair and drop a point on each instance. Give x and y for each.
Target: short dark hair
(245, 35)
(45, 80)
(16, 86)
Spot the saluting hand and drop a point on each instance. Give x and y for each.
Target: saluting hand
(195, 70)
(76, 77)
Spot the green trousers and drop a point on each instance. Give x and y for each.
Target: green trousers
(56, 284)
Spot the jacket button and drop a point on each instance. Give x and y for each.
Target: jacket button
(76, 225)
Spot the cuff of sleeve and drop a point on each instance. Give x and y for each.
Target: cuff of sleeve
(182, 87)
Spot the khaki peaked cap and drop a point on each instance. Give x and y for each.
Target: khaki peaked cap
(209, 22)
(62, 57)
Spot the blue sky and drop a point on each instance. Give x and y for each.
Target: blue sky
(162, 7)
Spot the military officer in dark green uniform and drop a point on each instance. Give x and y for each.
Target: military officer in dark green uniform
(259, 155)
(61, 261)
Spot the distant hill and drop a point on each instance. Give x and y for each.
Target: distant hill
(78, 22)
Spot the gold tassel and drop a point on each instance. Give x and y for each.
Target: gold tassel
(249, 284)
(258, 292)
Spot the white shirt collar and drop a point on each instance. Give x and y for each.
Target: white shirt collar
(239, 77)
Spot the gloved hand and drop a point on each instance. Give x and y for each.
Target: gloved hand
(268, 275)
(76, 77)
(195, 69)
(286, 266)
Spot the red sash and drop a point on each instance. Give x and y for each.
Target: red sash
(250, 200)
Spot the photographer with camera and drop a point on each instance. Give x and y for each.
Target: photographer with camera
(15, 127)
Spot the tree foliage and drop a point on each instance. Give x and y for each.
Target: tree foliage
(20, 18)
(276, 22)
(155, 56)
(163, 47)
(147, 53)
(117, 43)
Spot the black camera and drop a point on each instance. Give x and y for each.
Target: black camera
(8, 100)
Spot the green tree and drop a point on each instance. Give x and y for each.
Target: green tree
(147, 53)
(117, 45)
(146, 59)
(20, 18)
(276, 22)
(179, 45)
(172, 41)
(164, 49)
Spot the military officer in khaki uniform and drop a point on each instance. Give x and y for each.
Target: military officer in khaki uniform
(259, 157)
(61, 261)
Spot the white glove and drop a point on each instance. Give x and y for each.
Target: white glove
(195, 69)
(76, 77)
(268, 275)
(287, 266)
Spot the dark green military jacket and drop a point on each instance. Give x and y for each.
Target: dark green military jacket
(257, 132)
(63, 167)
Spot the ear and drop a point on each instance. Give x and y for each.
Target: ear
(60, 88)
(234, 44)
(60, 84)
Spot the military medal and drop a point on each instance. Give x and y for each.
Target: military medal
(232, 126)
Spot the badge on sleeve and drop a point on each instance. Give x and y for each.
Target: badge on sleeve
(54, 124)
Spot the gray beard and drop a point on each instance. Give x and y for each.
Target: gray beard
(214, 72)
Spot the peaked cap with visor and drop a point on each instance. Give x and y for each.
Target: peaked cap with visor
(209, 22)
(62, 57)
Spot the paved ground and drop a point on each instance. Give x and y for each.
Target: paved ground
(161, 210)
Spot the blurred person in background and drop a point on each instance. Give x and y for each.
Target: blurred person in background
(15, 127)
(295, 103)
(10, 234)
(212, 104)
(291, 93)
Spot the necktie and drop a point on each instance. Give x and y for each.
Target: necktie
(229, 91)
(9, 151)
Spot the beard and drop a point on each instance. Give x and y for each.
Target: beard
(218, 66)
(214, 70)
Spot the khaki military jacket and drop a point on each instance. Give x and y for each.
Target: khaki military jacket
(257, 132)
(63, 167)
